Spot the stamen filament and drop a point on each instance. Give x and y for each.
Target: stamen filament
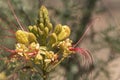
(18, 21)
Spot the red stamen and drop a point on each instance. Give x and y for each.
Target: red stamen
(87, 27)
(9, 36)
(32, 53)
(13, 52)
(9, 30)
(83, 52)
(10, 23)
(18, 21)
(80, 50)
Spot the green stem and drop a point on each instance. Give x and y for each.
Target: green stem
(56, 64)
(45, 75)
(37, 68)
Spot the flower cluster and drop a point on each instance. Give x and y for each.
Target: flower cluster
(43, 44)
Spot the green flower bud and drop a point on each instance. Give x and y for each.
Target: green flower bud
(58, 29)
(35, 28)
(46, 17)
(43, 14)
(40, 32)
(44, 10)
(67, 30)
(46, 30)
(52, 38)
(64, 33)
(41, 26)
(30, 28)
(47, 21)
(49, 25)
(40, 14)
(41, 20)
(31, 37)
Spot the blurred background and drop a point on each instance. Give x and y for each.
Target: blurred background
(102, 38)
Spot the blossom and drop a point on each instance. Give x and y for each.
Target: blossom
(43, 45)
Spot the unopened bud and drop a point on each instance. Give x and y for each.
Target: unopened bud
(50, 26)
(40, 32)
(31, 37)
(30, 28)
(41, 26)
(46, 30)
(64, 33)
(22, 37)
(35, 28)
(52, 38)
(58, 29)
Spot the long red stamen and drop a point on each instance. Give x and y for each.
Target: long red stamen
(13, 52)
(9, 37)
(10, 23)
(80, 50)
(18, 21)
(9, 30)
(83, 52)
(87, 27)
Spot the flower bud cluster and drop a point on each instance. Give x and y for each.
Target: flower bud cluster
(44, 44)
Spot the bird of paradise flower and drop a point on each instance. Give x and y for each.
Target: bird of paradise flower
(43, 46)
